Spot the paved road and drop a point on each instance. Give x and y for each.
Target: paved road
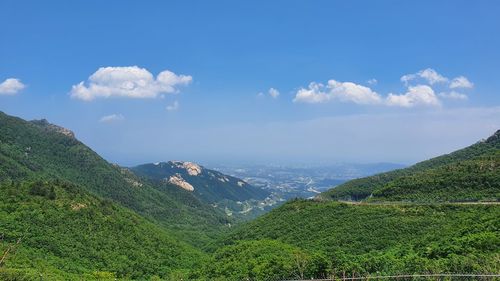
(416, 203)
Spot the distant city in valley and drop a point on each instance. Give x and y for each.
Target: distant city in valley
(303, 181)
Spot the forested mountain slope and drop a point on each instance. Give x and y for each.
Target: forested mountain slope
(469, 174)
(40, 150)
(210, 185)
(229, 194)
(65, 233)
(306, 238)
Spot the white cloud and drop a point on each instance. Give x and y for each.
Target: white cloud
(274, 93)
(111, 118)
(174, 106)
(260, 95)
(334, 90)
(453, 95)
(461, 82)
(130, 82)
(429, 74)
(11, 86)
(372, 81)
(416, 96)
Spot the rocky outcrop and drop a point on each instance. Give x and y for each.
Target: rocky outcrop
(54, 128)
(179, 181)
(210, 185)
(193, 169)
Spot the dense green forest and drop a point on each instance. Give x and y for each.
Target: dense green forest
(67, 214)
(469, 174)
(65, 233)
(331, 238)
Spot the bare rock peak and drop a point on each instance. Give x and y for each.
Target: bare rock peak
(191, 168)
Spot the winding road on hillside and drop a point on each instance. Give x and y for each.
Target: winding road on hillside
(417, 203)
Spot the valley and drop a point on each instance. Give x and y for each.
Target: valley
(303, 181)
(180, 140)
(66, 213)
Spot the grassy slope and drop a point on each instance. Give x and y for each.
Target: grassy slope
(68, 234)
(29, 151)
(468, 174)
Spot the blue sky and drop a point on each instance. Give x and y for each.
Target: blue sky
(336, 68)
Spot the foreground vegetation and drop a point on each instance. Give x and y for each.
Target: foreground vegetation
(330, 238)
(65, 233)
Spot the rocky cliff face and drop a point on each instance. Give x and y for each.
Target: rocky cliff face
(54, 128)
(179, 181)
(192, 169)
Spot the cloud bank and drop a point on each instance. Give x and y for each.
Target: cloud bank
(416, 95)
(128, 82)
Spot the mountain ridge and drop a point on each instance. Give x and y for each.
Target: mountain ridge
(438, 176)
(209, 185)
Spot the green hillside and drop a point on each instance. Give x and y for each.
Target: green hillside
(67, 234)
(321, 239)
(469, 174)
(210, 185)
(38, 149)
(226, 192)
